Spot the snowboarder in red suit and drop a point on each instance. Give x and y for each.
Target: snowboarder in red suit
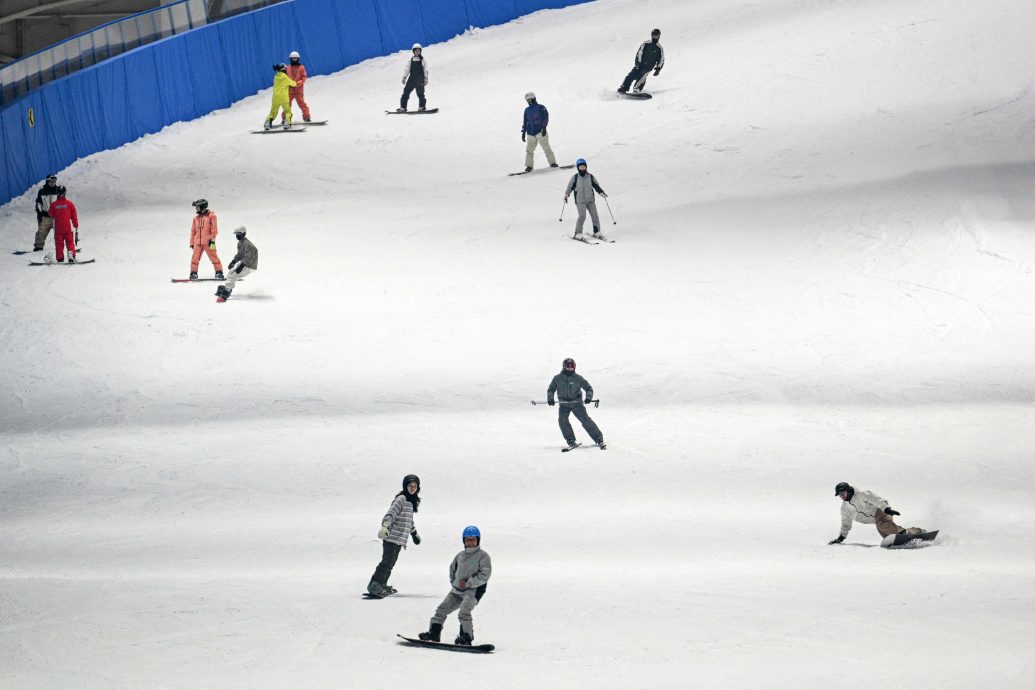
(63, 212)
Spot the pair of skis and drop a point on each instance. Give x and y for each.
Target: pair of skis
(593, 239)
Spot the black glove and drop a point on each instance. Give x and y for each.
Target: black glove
(550, 402)
(889, 511)
(840, 538)
(657, 71)
(522, 136)
(239, 269)
(231, 266)
(416, 537)
(544, 131)
(589, 400)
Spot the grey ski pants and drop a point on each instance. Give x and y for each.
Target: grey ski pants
(591, 206)
(389, 556)
(231, 282)
(453, 601)
(579, 410)
(43, 228)
(542, 140)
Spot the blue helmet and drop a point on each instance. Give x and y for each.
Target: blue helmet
(472, 531)
(581, 161)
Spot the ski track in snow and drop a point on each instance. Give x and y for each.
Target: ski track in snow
(822, 272)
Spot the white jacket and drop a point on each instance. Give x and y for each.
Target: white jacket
(862, 507)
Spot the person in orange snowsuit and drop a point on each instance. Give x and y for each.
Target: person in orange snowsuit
(203, 233)
(65, 217)
(296, 71)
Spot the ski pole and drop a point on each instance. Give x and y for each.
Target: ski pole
(613, 221)
(561, 219)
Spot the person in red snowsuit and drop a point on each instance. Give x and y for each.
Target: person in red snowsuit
(65, 218)
(296, 70)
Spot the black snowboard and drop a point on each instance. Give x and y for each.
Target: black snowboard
(201, 280)
(278, 129)
(429, 111)
(23, 251)
(640, 96)
(473, 649)
(559, 167)
(905, 538)
(62, 263)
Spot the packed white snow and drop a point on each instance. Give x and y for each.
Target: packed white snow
(822, 272)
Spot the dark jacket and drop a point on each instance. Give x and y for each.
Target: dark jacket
(650, 56)
(536, 119)
(567, 385)
(44, 198)
(246, 254)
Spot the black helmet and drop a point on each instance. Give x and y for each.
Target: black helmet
(844, 486)
(201, 205)
(280, 67)
(61, 190)
(656, 33)
(568, 363)
(411, 478)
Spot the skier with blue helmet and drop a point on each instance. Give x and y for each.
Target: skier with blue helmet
(468, 574)
(583, 184)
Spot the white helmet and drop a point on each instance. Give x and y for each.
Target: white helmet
(416, 46)
(241, 231)
(530, 96)
(294, 54)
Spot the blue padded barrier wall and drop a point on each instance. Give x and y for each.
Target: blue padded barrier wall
(401, 24)
(444, 19)
(191, 74)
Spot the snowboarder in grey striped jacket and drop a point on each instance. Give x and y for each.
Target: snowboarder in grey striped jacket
(396, 528)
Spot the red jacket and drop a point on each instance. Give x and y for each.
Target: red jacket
(63, 212)
(297, 74)
(204, 229)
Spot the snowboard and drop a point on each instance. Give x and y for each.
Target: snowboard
(368, 595)
(429, 111)
(200, 280)
(904, 538)
(559, 167)
(636, 96)
(314, 123)
(23, 251)
(278, 130)
(472, 649)
(74, 263)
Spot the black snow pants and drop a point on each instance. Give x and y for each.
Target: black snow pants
(579, 410)
(638, 76)
(389, 555)
(411, 84)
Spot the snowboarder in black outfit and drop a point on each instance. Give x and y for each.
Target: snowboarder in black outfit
(415, 76)
(650, 56)
(568, 385)
(44, 223)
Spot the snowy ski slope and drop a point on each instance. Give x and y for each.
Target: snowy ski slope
(823, 273)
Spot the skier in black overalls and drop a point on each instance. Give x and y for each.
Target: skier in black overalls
(415, 77)
(650, 56)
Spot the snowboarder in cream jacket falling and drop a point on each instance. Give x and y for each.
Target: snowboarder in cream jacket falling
(868, 508)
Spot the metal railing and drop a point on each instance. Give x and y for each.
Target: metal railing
(114, 38)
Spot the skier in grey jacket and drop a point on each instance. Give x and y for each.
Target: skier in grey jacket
(568, 387)
(396, 527)
(245, 261)
(468, 574)
(583, 184)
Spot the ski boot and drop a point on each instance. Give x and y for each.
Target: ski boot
(287, 125)
(268, 124)
(400, 110)
(376, 589)
(222, 293)
(528, 169)
(572, 444)
(422, 109)
(623, 89)
(463, 639)
(219, 275)
(71, 259)
(553, 165)
(37, 249)
(434, 633)
(193, 275)
(601, 444)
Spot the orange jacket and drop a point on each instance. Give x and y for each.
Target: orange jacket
(64, 214)
(203, 230)
(297, 74)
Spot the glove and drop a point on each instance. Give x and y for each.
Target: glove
(589, 400)
(522, 136)
(383, 532)
(192, 246)
(550, 402)
(416, 537)
(239, 269)
(463, 584)
(211, 244)
(889, 511)
(565, 198)
(657, 72)
(231, 266)
(840, 538)
(544, 131)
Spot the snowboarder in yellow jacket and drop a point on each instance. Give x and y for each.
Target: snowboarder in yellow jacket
(281, 100)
